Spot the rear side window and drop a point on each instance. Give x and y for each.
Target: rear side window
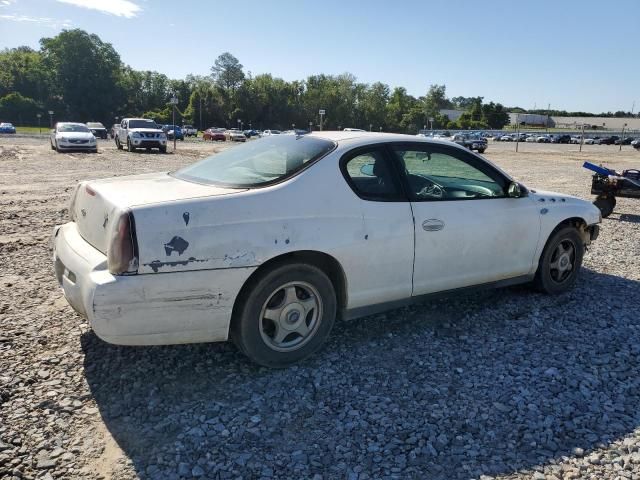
(259, 162)
(370, 175)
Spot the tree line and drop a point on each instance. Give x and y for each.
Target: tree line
(81, 78)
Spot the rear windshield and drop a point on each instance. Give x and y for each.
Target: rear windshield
(95, 125)
(258, 162)
(142, 124)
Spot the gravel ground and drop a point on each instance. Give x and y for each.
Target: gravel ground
(507, 383)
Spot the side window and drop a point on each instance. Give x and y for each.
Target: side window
(124, 124)
(370, 176)
(444, 174)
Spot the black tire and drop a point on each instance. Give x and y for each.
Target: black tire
(163, 149)
(118, 144)
(256, 336)
(130, 148)
(481, 151)
(606, 204)
(559, 282)
(57, 149)
(52, 147)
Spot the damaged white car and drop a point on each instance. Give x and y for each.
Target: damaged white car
(268, 243)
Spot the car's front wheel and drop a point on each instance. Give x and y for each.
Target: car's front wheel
(284, 315)
(130, 147)
(560, 261)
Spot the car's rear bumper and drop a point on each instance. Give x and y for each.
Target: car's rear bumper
(150, 309)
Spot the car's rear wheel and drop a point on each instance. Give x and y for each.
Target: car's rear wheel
(481, 151)
(118, 144)
(560, 261)
(284, 315)
(606, 204)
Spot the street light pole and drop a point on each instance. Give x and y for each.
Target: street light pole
(39, 127)
(50, 118)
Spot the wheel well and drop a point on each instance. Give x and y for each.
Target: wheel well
(578, 223)
(328, 264)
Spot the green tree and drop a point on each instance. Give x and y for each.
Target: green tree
(19, 109)
(86, 71)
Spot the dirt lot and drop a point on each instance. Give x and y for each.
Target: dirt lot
(507, 383)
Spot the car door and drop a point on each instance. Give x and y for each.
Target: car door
(387, 247)
(468, 231)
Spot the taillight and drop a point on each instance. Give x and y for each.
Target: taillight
(122, 256)
(72, 204)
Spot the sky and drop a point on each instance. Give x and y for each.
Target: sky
(573, 55)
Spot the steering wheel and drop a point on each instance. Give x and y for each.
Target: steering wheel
(432, 190)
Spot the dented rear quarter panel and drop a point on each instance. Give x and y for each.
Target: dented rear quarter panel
(315, 210)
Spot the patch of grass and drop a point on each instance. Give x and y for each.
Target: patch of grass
(33, 130)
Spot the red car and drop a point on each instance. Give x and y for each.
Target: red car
(214, 134)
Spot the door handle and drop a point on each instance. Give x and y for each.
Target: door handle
(432, 225)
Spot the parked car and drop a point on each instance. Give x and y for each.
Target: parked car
(251, 133)
(589, 141)
(636, 144)
(561, 138)
(610, 140)
(97, 129)
(235, 135)
(348, 129)
(543, 139)
(173, 130)
(72, 136)
(6, 127)
(531, 139)
(114, 130)
(137, 133)
(249, 244)
(576, 139)
(214, 134)
(624, 141)
(270, 132)
(506, 138)
(472, 142)
(189, 131)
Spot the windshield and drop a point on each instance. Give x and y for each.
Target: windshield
(72, 128)
(142, 124)
(95, 125)
(257, 163)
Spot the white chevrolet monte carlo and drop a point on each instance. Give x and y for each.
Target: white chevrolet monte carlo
(269, 242)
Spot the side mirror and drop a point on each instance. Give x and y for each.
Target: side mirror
(514, 190)
(367, 170)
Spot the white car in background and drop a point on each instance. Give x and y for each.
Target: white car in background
(589, 141)
(531, 139)
(250, 244)
(236, 135)
(72, 136)
(266, 133)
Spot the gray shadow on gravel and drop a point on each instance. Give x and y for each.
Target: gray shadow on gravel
(485, 384)
(627, 217)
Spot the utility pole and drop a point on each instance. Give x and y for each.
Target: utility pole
(321, 112)
(50, 118)
(174, 102)
(39, 127)
(547, 125)
(201, 129)
(622, 137)
(582, 137)
(517, 130)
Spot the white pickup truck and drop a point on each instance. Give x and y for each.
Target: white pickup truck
(189, 131)
(140, 133)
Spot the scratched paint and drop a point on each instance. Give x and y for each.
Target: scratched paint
(177, 244)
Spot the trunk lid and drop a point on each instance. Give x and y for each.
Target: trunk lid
(97, 205)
